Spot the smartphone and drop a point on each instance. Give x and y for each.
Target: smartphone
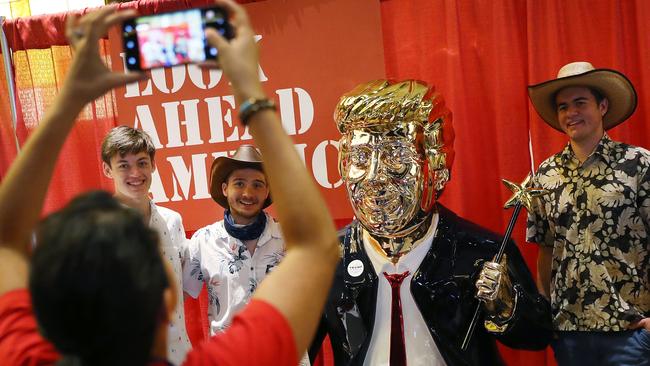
(172, 38)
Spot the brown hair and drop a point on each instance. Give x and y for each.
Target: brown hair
(124, 140)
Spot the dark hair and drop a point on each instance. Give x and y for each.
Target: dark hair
(123, 140)
(97, 280)
(597, 94)
(257, 167)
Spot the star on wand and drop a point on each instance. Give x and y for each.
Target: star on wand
(523, 195)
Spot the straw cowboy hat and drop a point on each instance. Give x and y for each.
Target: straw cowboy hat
(618, 90)
(246, 156)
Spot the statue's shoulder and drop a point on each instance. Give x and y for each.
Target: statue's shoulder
(464, 232)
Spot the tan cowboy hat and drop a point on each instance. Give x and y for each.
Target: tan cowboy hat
(246, 156)
(613, 85)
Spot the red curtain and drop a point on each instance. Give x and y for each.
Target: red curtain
(479, 54)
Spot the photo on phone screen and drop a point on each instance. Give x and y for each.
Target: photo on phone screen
(173, 38)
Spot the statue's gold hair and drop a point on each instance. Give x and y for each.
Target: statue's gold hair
(383, 105)
(380, 104)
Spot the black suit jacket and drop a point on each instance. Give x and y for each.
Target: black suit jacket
(443, 289)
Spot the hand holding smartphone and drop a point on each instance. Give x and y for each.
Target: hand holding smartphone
(173, 38)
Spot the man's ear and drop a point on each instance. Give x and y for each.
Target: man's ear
(224, 190)
(603, 106)
(153, 165)
(107, 170)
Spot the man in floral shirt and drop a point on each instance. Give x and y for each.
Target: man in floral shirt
(233, 255)
(593, 224)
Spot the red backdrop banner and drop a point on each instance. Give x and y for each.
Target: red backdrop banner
(309, 54)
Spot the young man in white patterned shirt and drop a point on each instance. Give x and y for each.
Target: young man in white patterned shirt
(233, 255)
(128, 159)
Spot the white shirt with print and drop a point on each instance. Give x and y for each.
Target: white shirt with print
(173, 243)
(229, 271)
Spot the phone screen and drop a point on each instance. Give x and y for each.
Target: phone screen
(169, 39)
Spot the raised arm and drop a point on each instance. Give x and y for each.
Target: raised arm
(23, 190)
(299, 286)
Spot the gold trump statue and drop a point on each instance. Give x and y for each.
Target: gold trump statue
(406, 286)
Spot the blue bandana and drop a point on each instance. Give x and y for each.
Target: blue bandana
(247, 232)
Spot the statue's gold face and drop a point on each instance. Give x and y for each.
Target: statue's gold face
(394, 158)
(383, 173)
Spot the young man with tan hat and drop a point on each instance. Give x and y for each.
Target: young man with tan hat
(233, 255)
(593, 226)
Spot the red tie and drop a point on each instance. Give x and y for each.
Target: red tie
(397, 347)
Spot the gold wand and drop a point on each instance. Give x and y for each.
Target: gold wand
(523, 195)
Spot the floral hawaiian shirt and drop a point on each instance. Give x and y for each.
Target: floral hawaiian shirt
(596, 217)
(229, 271)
